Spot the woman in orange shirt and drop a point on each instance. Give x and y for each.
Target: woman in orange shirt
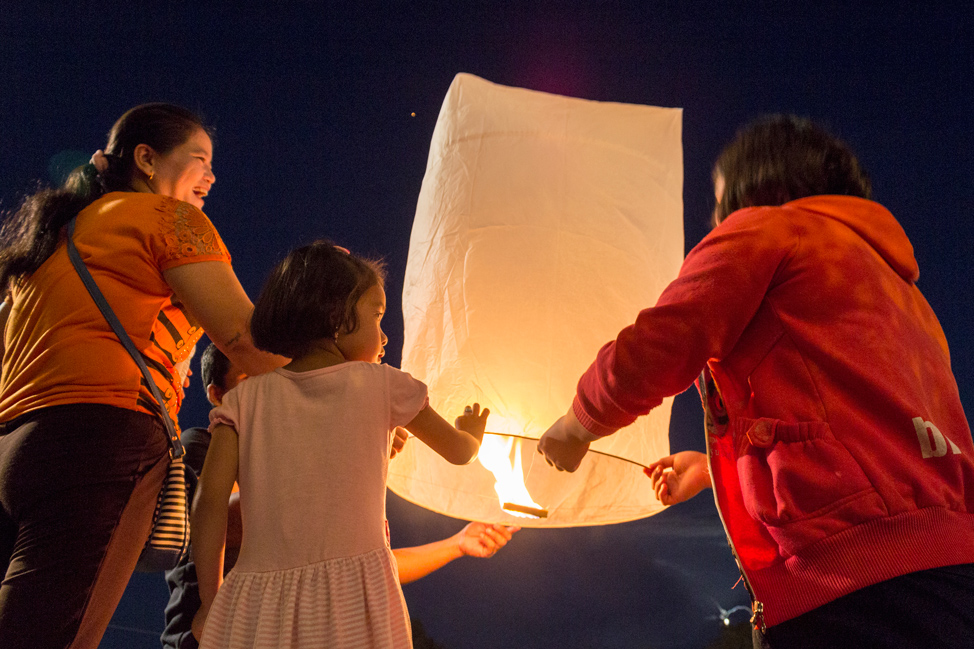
(82, 449)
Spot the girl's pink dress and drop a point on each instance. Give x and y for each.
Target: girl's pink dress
(315, 568)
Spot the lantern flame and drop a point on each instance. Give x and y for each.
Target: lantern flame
(495, 455)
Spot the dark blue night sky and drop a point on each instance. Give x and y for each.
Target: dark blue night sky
(315, 136)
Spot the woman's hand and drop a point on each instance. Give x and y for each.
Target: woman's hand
(679, 477)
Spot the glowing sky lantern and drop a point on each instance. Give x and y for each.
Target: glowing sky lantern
(544, 224)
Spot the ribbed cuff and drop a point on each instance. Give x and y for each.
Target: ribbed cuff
(594, 428)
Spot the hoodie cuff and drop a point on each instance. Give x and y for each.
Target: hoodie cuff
(594, 428)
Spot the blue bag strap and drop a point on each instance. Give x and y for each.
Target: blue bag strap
(177, 447)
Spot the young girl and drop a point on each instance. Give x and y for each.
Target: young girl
(309, 446)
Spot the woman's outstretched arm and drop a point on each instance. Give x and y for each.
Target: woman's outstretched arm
(212, 293)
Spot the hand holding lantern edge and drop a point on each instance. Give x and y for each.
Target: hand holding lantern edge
(679, 477)
(483, 540)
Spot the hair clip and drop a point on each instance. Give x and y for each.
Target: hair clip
(99, 161)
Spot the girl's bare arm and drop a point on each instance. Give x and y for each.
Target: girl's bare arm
(457, 445)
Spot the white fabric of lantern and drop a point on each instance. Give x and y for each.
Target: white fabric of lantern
(544, 225)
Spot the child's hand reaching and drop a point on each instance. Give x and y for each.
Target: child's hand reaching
(457, 444)
(679, 477)
(483, 540)
(473, 421)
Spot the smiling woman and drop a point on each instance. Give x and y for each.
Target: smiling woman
(184, 173)
(82, 448)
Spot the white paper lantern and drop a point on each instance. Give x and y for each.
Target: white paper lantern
(544, 225)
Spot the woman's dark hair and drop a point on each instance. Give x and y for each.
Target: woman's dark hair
(781, 158)
(309, 296)
(31, 233)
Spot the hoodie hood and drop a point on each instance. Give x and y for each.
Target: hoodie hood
(871, 221)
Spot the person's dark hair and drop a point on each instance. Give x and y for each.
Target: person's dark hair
(31, 233)
(781, 158)
(309, 296)
(214, 366)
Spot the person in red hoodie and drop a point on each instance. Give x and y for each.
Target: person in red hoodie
(839, 452)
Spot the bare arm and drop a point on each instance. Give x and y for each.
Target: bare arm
(234, 533)
(212, 293)
(456, 446)
(208, 521)
(679, 477)
(474, 540)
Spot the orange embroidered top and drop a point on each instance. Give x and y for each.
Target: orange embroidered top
(59, 349)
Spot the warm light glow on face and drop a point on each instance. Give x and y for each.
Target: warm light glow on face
(496, 455)
(186, 172)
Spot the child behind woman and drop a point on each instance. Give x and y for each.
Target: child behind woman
(309, 446)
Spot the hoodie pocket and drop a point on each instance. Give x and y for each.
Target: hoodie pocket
(800, 482)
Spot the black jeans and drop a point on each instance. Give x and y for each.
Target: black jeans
(78, 486)
(931, 608)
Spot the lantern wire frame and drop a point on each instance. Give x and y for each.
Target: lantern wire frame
(548, 487)
(590, 450)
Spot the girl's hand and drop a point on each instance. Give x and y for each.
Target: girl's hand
(453, 445)
(473, 421)
(679, 477)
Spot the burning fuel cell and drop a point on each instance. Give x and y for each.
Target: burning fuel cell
(543, 224)
(514, 508)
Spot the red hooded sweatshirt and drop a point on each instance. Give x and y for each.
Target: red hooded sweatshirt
(845, 457)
